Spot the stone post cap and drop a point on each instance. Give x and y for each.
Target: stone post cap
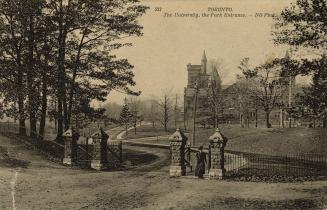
(217, 136)
(68, 133)
(178, 136)
(96, 135)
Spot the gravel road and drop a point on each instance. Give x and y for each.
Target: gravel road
(27, 181)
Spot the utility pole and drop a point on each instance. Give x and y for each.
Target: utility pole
(175, 110)
(194, 112)
(256, 112)
(281, 118)
(184, 114)
(241, 114)
(290, 102)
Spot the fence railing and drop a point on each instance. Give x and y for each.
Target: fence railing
(241, 164)
(248, 164)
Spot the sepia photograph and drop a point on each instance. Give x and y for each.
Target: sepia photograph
(163, 105)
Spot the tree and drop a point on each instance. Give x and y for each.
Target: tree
(314, 97)
(265, 85)
(135, 111)
(12, 51)
(302, 26)
(125, 116)
(151, 113)
(112, 110)
(61, 48)
(83, 27)
(165, 108)
(215, 95)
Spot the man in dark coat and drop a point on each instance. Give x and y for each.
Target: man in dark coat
(201, 161)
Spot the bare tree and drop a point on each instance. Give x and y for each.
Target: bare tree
(265, 85)
(215, 91)
(135, 111)
(152, 114)
(165, 107)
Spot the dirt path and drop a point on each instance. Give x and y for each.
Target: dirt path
(40, 184)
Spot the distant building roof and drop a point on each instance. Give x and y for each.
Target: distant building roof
(204, 57)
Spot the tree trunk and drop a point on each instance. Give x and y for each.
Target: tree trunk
(281, 118)
(290, 122)
(72, 87)
(324, 122)
(22, 128)
(256, 118)
(32, 103)
(61, 93)
(267, 119)
(43, 105)
(65, 109)
(241, 120)
(60, 127)
(55, 118)
(126, 130)
(21, 97)
(247, 120)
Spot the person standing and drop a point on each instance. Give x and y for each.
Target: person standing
(104, 145)
(201, 161)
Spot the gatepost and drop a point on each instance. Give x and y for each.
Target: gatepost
(177, 148)
(70, 139)
(97, 162)
(217, 144)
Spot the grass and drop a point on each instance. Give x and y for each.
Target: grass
(148, 131)
(285, 141)
(272, 141)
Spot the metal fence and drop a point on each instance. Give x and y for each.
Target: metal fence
(248, 164)
(241, 164)
(85, 154)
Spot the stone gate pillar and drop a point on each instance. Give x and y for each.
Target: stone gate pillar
(177, 148)
(70, 140)
(97, 163)
(217, 144)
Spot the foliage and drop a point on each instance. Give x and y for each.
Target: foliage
(303, 27)
(64, 50)
(263, 85)
(125, 115)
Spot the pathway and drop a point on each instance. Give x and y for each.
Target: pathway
(237, 161)
(40, 184)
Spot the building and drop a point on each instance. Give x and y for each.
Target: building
(198, 86)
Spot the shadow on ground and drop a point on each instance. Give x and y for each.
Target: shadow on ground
(257, 204)
(13, 163)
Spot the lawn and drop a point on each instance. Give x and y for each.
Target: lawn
(148, 131)
(272, 141)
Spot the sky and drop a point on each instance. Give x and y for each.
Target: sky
(161, 55)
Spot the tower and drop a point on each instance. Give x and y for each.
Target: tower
(204, 63)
